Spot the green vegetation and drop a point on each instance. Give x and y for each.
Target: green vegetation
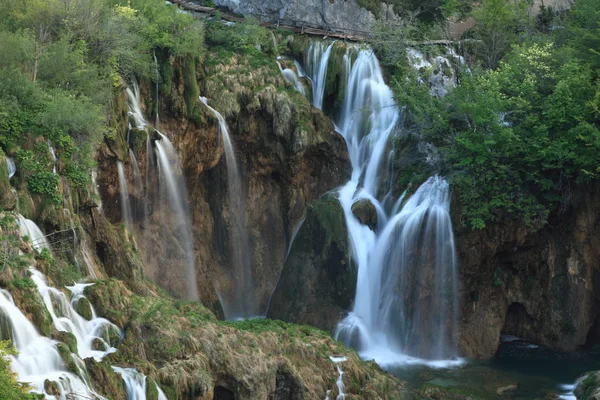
(9, 388)
(521, 131)
(63, 67)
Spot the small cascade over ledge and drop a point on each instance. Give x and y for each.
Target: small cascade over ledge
(241, 304)
(405, 308)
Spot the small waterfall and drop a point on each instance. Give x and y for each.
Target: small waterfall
(172, 182)
(12, 167)
(315, 67)
(53, 153)
(243, 305)
(125, 205)
(134, 105)
(292, 78)
(340, 380)
(38, 359)
(28, 228)
(89, 333)
(394, 319)
(135, 384)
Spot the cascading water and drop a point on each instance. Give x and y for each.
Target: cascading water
(125, 205)
(12, 167)
(135, 384)
(171, 179)
(28, 228)
(53, 154)
(315, 67)
(394, 319)
(292, 78)
(134, 105)
(138, 186)
(242, 305)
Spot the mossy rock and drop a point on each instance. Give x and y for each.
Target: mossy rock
(366, 213)
(67, 357)
(67, 338)
(84, 308)
(320, 259)
(151, 390)
(8, 200)
(51, 388)
(106, 380)
(589, 387)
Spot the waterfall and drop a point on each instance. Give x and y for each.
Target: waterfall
(28, 228)
(53, 154)
(340, 380)
(38, 359)
(135, 108)
(125, 205)
(315, 67)
(138, 186)
(89, 333)
(135, 384)
(12, 167)
(405, 307)
(242, 305)
(172, 182)
(292, 78)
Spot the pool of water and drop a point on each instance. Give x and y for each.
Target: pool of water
(538, 372)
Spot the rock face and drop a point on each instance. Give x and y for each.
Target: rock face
(318, 280)
(345, 14)
(288, 154)
(540, 285)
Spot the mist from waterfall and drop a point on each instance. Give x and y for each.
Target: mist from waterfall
(405, 307)
(315, 67)
(242, 305)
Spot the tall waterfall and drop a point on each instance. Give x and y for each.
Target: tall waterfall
(134, 105)
(242, 305)
(172, 182)
(315, 67)
(125, 205)
(405, 307)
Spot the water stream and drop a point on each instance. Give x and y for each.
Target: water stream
(393, 320)
(241, 304)
(12, 167)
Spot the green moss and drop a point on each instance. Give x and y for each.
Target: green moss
(191, 92)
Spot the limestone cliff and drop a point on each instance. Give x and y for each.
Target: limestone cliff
(345, 14)
(288, 154)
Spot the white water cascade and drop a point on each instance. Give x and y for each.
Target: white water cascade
(134, 106)
(12, 167)
(135, 384)
(125, 205)
(242, 305)
(292, 78)
(28, 228)
(53, 154)
(315, 67)
(173, 184)
(405, 308)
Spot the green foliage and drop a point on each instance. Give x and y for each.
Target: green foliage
(9, 388)
(514, 140)
(247, 37)
(45, 183)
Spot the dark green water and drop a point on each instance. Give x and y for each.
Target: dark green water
(538, 372)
